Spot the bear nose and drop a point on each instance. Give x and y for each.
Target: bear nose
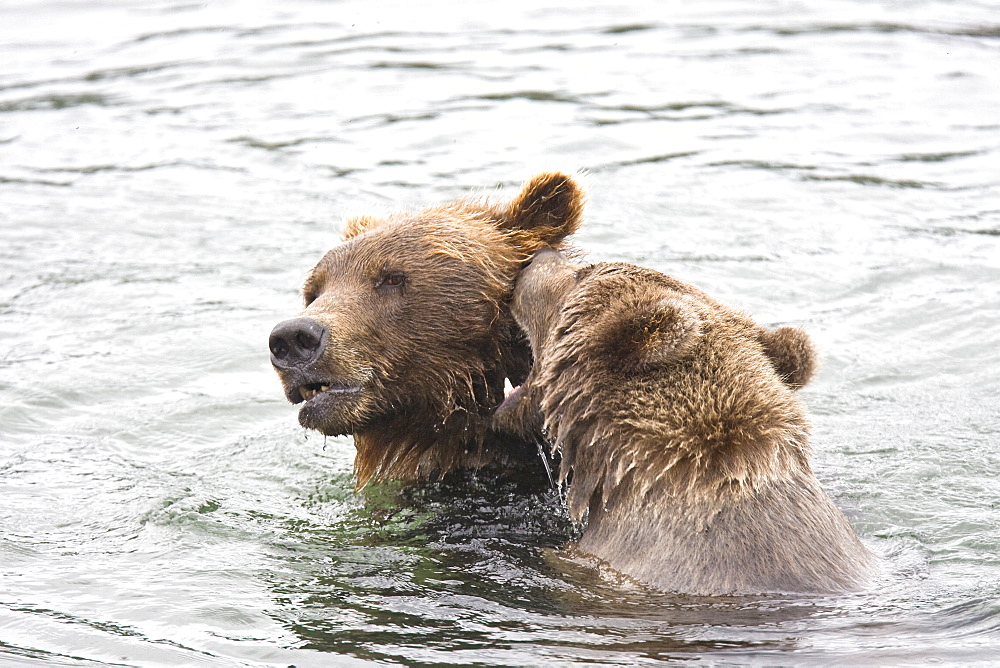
(297, 342)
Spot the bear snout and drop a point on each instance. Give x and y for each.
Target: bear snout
(297, 343)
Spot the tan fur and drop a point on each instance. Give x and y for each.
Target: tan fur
(682, 447)
(792, 353)
(428, 357)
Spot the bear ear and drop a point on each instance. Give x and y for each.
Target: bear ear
(792, 353)
(359, 224)
(549, 208)
(658, 334)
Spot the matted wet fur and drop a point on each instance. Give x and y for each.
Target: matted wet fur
(683, 445)
(406, 338)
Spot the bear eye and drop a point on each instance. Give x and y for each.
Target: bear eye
(390, 280)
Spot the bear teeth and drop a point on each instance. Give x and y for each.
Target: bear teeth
(308, 392)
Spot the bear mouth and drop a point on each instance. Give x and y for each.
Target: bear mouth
(312, 390)
(511, 394)
(330, 408)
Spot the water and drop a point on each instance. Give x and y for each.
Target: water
(171, 170)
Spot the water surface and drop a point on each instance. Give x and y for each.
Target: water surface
(171, 170)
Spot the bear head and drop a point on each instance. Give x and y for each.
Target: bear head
(620, 349)
(406, 338)
(632, 335)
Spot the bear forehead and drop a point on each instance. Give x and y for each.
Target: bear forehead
(605, 292)
(608, 283)
(429, 250)
(396, 239)
(617, 275)
(391, 241)
(602, 285)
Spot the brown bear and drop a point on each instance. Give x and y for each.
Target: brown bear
(681, 440)
(406, 338)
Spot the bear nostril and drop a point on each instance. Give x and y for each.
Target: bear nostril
(307, 340)
(278, 347)
(296, 342)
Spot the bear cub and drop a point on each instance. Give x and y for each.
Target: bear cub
(682, 443)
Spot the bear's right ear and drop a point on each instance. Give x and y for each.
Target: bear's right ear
(548, 209)
(792, 354)
(359, 224)
(657, 334)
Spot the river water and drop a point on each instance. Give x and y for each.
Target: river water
(170, 170)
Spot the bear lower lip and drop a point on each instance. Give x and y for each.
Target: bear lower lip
(333, 411)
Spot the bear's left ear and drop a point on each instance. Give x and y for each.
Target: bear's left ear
(359, 224)
(548, 209)
(657, 334)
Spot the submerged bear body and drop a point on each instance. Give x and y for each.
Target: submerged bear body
(682, 442)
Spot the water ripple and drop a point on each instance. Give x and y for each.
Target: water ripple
(57, 101)
(172, 172)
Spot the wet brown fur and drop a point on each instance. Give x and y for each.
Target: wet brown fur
(430, 354)
(683, 445)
